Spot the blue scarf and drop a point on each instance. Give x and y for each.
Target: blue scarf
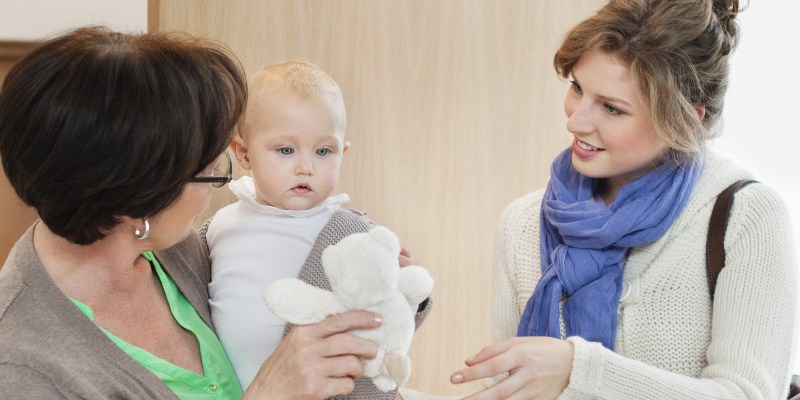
(584, 242)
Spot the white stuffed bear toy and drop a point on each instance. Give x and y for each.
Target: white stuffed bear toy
(364, 274)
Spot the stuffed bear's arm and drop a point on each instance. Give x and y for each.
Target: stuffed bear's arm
(300, 303)
(415, 283)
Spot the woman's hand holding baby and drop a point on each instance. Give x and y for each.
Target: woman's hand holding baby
(317, 361)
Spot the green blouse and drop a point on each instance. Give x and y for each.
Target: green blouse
(219, 381)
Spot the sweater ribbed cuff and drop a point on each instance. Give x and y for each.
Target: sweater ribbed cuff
(587, 370)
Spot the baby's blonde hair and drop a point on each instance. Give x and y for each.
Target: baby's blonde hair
(300, 77)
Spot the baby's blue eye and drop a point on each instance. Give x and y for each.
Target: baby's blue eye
(323, 152)
(286, 151)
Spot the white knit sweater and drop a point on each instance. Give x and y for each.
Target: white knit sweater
(668, 345)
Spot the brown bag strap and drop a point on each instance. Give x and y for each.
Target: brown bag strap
(715, 252)
(718, 224)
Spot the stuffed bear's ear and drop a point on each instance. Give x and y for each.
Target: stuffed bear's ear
(384, 236)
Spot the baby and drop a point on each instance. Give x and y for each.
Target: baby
(292, 140)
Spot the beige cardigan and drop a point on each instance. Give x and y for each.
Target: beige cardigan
(50, 350)
(670, 343)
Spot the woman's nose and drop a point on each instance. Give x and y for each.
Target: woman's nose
(579, 117)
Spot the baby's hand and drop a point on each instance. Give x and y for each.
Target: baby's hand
(405, 258)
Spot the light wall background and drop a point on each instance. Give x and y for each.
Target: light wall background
(30, 20)
(453, 111)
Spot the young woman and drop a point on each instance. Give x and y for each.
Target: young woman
(602, 275)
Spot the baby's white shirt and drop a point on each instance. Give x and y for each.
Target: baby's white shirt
(251, 245)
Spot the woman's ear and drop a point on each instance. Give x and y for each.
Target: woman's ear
(701, 111)
(345, 147)
(124, 219)
(239, 148)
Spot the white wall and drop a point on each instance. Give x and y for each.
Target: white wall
(30, 20)
(762, 110)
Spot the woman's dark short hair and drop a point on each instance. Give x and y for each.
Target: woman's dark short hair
(96, 124)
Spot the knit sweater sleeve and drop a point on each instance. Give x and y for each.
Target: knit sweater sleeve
(753, 322)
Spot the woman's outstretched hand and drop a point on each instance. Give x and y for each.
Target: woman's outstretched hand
(318, 360)
(538, 368)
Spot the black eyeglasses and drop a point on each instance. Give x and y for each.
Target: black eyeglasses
(218, 172)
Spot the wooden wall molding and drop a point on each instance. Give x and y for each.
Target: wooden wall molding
(153, 15)
(12, 51)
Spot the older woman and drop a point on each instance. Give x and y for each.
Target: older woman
(602, 275)
(117, 141)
